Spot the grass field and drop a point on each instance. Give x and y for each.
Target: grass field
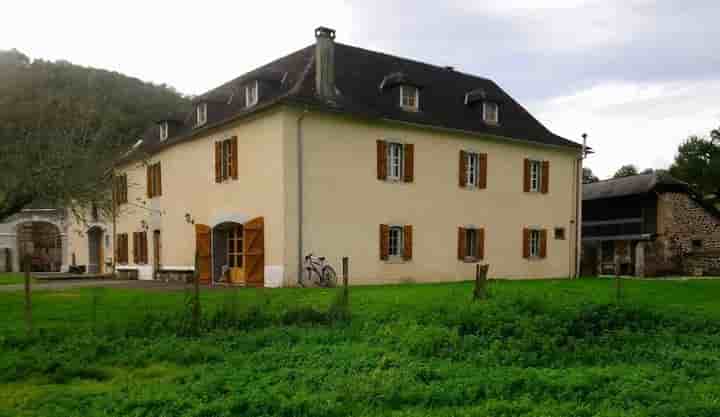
(11, 278)
(536, 348)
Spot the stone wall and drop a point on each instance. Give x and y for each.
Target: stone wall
(175, 276)
(681, 222)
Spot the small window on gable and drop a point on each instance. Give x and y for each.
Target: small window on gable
(409, 98)
(251, 94)
(201, 114)
(491, 112)
(163, 130)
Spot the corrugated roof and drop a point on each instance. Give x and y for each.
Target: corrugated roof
(632, 185)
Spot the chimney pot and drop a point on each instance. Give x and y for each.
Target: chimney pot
(324, 32)
(325, 63)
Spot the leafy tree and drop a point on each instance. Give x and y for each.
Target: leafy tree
(626, 171)
(647, 171)
(588, 176)
(698, 162)
(63, 125)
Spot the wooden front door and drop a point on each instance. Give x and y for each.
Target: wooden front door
(202, 245)
(254, 252)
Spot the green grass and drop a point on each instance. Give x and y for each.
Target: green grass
(536, 348)
(9, 278)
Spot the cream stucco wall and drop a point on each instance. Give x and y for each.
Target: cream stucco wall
(78, 244)
(344, 203)
(188, 186)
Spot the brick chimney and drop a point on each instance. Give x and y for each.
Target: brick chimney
(325, 63)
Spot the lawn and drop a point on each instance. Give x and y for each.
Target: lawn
(536, 348)
(8, 278)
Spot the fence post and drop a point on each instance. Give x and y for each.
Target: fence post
(618, 283)
(196, 296)
(28, 295)
(480, 291)
(345, 273)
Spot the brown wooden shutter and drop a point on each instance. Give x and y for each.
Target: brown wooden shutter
(254, 251)
(202, 250)
(159, 179)
(526, 176)
(381, 160)
(149, 181)
(462, 243)
(409, 174)
(526, 243)
(480, 243)
(543, 243)
(545, 180)
(135, 247)
(408, 242)
(384, 238)
(462, 173)
(234, 157)
(482, 175)
(145, 245)
(218, 162)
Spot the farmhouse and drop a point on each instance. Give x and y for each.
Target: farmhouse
(413, 171)
(648, 225)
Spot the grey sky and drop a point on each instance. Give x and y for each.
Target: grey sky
(637, 75)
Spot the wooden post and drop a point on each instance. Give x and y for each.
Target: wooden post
(345, 273)
(28, 295)
(480, 291)
(618, 289)
(196, 296)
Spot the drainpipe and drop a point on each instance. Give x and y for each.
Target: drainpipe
(578, 207)
(300, 192)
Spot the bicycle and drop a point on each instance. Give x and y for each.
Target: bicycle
(318, 272)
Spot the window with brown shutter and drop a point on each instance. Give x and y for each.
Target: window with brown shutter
(462, 173)
(536, 176)
(154, 180)
(226, 159)
(534, 243)
(136, 247)
(409, 159)
(218, 161)
(381, 160)
(384, 238)
(471, 244)
(545, 177)
(121, 248)
(234, 158)
(543, 244)
(526, 176)
(482, 175)
(462, 245)
(526, 243)
(473, 170)
(120, 189)
(407, 242)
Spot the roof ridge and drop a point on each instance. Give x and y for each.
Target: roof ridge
(622, 178)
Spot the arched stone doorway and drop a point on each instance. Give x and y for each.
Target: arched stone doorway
(43, 242)
(96, 255)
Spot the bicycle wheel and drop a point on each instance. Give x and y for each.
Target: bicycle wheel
(310, 278)
(329, 276)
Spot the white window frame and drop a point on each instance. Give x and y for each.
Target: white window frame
(395, 161)
(164, 131)
(407, 105)
(535, 175)
(201, 114)
(396, 237)
(472, 169)
(535, 243)
(486, 113)
(471, 243)
(251, 100)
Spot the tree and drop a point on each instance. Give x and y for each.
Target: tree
(64, 125)
(698, 162)
(626, 171)
(647, 171)
(588, 176)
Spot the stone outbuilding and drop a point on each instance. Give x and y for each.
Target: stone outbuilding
(648, 225)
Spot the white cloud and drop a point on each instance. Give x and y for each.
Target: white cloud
(633, 123)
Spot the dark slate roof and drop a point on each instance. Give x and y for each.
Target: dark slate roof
(359, 74)
(632, 185)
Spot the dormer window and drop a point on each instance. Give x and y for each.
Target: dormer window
(491, 112)
(251, 94)
(163, 131)
(409, 98)
(201, 114)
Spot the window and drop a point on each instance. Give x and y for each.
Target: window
(535, 175)
(226, 159)
(395, 161)
(490, 112)
(607, 249)
(472, 169)
(697, 244)
(120, 189)
(164, 131)
(201, 114)
(140, 248)
(235, 247)
(154, 180)
(471, 247)
(560, 233)
(395, 241)
(121, 250)
(251, 94)
(471, 244)
(409, 97)
(535, 238)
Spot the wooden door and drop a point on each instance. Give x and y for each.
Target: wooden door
(202, 245)
(254, 252)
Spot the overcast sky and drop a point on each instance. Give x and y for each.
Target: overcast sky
(638, 76)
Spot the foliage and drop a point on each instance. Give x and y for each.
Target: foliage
(62, 127)
(698, 163)
(588, 176)
(626, 171)
(552, 348)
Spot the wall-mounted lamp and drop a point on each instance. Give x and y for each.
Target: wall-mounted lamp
(189, 219)
(144, 225)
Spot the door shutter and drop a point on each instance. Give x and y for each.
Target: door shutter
(408, 242)
(149, 181)
(543, 243)
(218, 162)
(202, 248)
(409, 174)
(526, 176)
(234, 157)
(254, 251)
(462, 243)
(381, 160)
(145, 245)
(462, 173)
(384, 238)
(480, 244)
(545, 180)
(135, 247)
(526, 243)
(482, 175)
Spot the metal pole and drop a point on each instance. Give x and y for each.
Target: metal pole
(28, 296)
